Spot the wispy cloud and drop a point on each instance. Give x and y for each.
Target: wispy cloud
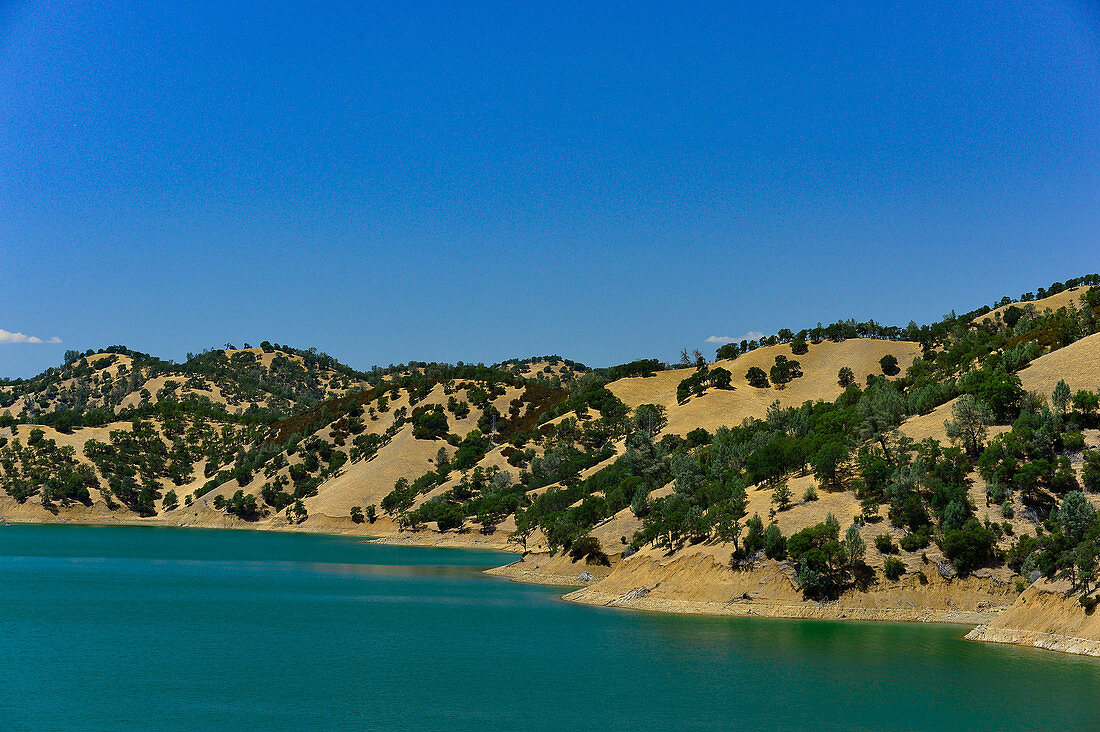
(752, 335)
(6, 336)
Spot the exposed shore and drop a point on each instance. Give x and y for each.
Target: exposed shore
(698, 584)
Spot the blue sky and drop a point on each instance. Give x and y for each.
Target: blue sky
(480, 181)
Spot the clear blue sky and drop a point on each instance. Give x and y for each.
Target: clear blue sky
(479, 181)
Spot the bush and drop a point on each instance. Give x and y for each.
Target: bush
(885, 544)
(969, 547)
(889, 364)
(893, 568)
(589, 549)
(810, 494)
(1073, 441)
(916, 540)
(1090, 471)
(357, 514)
(775, 544)
(1089, 603)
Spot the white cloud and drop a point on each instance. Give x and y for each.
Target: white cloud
(752, 335)
(6, 336)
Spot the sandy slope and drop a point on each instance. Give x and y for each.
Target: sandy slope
(1046, 615)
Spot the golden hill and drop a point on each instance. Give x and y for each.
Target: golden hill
(719, 407)
(1065, 298)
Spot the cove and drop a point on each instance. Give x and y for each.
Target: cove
(138, 627)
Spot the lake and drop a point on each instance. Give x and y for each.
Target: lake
(142, 627)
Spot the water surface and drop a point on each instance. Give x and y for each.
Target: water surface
(140, 627)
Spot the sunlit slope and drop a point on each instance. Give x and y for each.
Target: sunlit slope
(718, 407)
(1078, 364)
(1072, 296)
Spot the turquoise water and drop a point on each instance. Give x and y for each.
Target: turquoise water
(138, 628)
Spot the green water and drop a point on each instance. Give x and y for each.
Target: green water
(139, 628)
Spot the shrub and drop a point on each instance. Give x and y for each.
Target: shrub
(889, 364)
(893, 568)
(1089, 603)
(810, 494)
(969, 547)
(775, 544)
(589, 549)
(916, 540)
(357, 514)
(1090, 471)
(885, 544)
(1073, 441)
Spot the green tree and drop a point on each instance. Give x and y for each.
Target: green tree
(171, 501)
(889, 365)
(1090, 470)
(650, 419)
(971, 419)
(1086, 402)
(893, 568)
(969, 547)
(881, 408)
(775, 544)
(827, 463)
(757, 378)
(782, 496)
(1076, 515)
(357, 514)
(854, 545)
(845, 377)
(720, 378)
(296, 513)
(1060, 398)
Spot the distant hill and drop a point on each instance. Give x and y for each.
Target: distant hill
(821, 453)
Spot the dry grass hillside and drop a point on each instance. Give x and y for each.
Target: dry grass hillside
(1078, 364)
(719, 407)
(1072, 296)
(246, 378)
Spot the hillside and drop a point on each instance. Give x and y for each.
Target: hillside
(1065, 298)
(269, 378)
(805, 474)
(717, 407)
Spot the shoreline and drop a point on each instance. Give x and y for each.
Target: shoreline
(787, 611)
(560, 572)
(1036, 639)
